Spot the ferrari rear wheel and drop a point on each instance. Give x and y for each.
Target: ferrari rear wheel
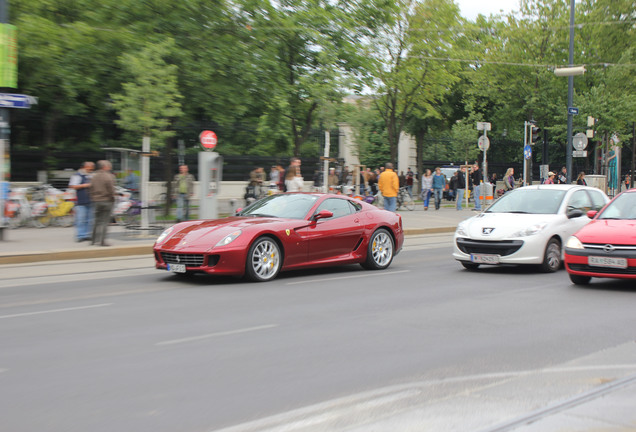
(264, 260)
(579, 280)
(380, 250)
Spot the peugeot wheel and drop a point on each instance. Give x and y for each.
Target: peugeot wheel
(552, 257)
(264, 260)
(379, 251)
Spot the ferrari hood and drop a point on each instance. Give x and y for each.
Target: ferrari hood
(602, 231)
(499, 226)
(205, 234)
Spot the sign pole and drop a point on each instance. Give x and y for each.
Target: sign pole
(325, 164)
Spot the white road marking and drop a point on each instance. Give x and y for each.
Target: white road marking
(212, 335)
(55, 310)
(366, 274)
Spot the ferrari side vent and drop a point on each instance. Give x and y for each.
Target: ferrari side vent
(358, 244)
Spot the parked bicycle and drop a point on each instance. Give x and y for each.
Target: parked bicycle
(404, 200)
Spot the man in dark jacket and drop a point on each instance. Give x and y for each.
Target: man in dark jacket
(102, 192)
(80, 182)
(476, 179)
(461, 187)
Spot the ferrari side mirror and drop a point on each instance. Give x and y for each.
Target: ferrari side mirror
(323, 214)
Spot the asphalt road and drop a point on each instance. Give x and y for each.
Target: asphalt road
(114, 345)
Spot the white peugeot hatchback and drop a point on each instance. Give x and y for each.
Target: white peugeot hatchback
(528, 225)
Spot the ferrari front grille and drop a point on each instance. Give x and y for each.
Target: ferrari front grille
(190, 260)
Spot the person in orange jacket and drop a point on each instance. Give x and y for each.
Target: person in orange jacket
(389, 184)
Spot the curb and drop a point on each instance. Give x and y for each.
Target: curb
(146, 249)
(60, 255)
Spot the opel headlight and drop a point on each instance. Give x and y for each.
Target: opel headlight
(164, 235)
(229, 238)
(531, 230)
(461, 230)
(574, 243)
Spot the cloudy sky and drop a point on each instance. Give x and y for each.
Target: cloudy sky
(471, 8)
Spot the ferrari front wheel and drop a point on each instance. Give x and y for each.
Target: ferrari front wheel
(264, 260)
(380, 251)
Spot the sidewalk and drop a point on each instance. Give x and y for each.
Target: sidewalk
(24, 245)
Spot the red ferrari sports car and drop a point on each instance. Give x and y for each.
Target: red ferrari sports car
(283, 232)
(605, 247)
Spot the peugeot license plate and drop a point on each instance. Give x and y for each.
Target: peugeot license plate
(607, 262)
(177, 268)
(484, 258)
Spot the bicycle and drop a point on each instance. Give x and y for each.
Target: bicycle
(404, 199)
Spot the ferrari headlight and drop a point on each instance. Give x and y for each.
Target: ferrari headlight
(531, 230)
(461, 230)
(164, 235)
(229, 238)
(574, 243)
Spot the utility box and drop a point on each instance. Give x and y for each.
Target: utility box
(486, 194)
(210, 176)
(597, 181)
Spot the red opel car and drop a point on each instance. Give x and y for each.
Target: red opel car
(606, 247)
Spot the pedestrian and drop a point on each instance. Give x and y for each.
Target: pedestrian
(550, 179)
(628, 180)
(476, 178)
(562, 178)
(402, 179)
(332, 180)
(102, 193)
(183, 189)
(293, 177)
(580, 180)
(372, 181)
(389, 185)
(452, 187)
(427, 187)
(274, 176)
(509, 180)
(410, 176)
(81, 182)
(439, 184)
(461, 187)
(493, 179)
(131, 182)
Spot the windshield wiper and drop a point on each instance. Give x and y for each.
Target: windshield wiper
(260, 215)
(519, 212)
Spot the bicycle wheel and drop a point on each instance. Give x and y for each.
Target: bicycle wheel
(409, 203)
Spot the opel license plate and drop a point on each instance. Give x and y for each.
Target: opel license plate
(177, 268)
(611, 262)
(484, 258)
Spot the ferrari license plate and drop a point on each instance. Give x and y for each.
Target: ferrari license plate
(177, 268)
(484, 259)
(607, 262)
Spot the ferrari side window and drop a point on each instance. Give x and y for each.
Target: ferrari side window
(356, 206)
(339, 207)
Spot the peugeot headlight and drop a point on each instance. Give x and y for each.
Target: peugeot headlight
(461, 230)
(164, 235)
(229, 238)
(574, 243)
(531, 230)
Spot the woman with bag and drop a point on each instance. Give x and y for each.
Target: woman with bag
(509, 180)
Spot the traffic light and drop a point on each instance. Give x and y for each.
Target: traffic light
(535, 134)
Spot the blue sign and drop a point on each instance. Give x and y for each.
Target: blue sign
(527, 152)
(10, 100)
(573, 111)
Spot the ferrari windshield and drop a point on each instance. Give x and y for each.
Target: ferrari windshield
(623, 207)
(531, 201)
(292, 206)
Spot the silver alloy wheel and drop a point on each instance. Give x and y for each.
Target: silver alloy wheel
(553, 256)
(265, 259)
(382, 248)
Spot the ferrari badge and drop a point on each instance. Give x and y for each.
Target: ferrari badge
(288, 232)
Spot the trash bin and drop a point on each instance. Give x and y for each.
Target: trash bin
(486, 190)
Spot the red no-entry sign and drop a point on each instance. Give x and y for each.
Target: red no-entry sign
(208, 139)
